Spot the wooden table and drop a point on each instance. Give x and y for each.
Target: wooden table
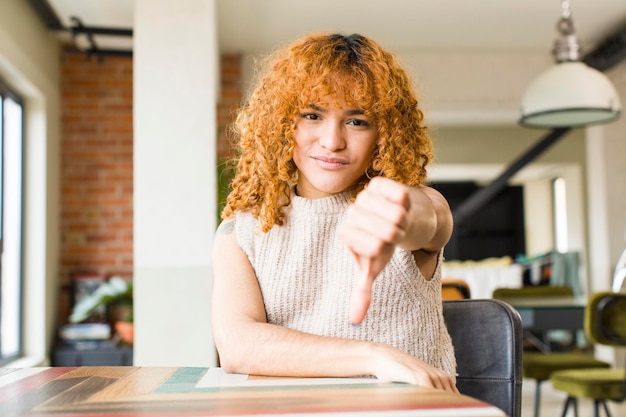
(550, 313)
(185, 392)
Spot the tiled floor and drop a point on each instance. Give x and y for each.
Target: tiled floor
(552, 403)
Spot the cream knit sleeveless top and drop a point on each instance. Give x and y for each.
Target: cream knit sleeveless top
(306, 275)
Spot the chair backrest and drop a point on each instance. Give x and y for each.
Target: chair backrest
(605, 318)
(533, 292)
(605, 321)
(487, 339)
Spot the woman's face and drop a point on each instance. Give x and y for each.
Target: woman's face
(334, 147)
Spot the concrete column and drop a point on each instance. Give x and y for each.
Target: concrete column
(175, 96)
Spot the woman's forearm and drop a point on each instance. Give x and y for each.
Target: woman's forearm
(430, 220)
(266, 349)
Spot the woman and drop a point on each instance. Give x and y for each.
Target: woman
(328, 261)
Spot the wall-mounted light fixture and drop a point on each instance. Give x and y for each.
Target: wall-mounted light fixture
(570, 93)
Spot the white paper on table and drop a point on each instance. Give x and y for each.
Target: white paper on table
(217, 378)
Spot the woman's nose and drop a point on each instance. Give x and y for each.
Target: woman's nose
(332, 136)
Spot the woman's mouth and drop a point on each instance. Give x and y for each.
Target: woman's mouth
(329, 162)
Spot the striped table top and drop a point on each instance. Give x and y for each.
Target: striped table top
(126, 391)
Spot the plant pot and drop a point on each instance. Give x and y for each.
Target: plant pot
(120, 312)
(126, 331)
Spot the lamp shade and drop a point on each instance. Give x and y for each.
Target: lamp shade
(569, 94)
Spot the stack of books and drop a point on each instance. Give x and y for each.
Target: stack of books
(90, 344)
(86, 336)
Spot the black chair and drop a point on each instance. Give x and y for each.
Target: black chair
(487, 339)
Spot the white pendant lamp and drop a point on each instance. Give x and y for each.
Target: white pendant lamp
(569, 94)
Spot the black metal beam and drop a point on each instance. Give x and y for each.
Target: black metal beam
(101, 52)
(477, 200)
(608, 54)
(52, 22)
(79, 28)
(99, 30)
(47, 14)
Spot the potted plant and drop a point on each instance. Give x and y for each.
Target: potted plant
(117, 295)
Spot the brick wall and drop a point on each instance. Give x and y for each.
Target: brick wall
(97, 163)
(96, 168)
(230, 68)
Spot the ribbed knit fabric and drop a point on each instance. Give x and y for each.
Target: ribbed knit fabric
(306, 276)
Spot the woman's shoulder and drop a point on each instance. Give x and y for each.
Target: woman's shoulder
(227, 226)
(236, 225)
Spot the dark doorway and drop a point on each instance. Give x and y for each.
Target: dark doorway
(496, 230)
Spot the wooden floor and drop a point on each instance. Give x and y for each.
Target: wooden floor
(552, 403)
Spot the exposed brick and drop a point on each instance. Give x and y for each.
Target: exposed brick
(96, 166)
(97, 163)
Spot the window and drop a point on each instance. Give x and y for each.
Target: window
(560, 215)
(11, 173)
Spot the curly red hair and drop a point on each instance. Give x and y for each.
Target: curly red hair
(352, 68)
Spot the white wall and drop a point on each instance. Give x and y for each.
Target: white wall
(175, 73)
(616, 170)
(606, 153)
(29, 62)
(472, 88)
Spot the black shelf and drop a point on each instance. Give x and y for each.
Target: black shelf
(92, 353)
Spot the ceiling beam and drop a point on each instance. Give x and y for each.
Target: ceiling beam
(100, 30)
(479, 198)
(78, 29)
(609, 53)
(47, 14)
(52, 22)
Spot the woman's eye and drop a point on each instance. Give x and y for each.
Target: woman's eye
(359, 122)
(310, 116)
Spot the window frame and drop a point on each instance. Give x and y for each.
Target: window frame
(6, 92)
(560, 230)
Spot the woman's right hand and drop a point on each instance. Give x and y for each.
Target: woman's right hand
(394, 365)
